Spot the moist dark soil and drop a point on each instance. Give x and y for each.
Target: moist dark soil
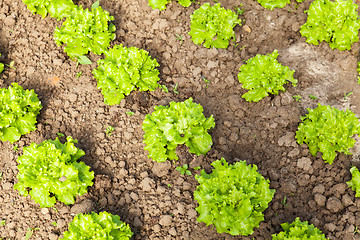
(153, 198)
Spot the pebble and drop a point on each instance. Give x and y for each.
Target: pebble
(172, 231)
(304, 163)
(161, 169)
(156, 228)
(147, 184)
(320, 199)
(346, 200)
(287, 139)
(294, 152)
(330, 226)
(334, 204)
(165, 220)
(319, 189)
(83, 207)
(192, 213)
(53, 236)
(61, 223)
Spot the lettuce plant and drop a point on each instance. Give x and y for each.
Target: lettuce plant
(179, 123)
(232, 197)
(298, 230)
(85, 31)
(271, 4)
(102, 226)
(124, 70)
(161, 4)
(334, 22)
(328, 130)
(1, 66)
(56, 8)
(264, 75)
(213, 26)
(52, 172)
(354, 183)
(18, 111)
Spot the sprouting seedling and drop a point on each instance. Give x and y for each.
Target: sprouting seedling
(175, 88)
(16, 147)
(54, 223)
(169, 185)
(180, 38)
(313, 97)
(356, 229)
(297, 98)
(130, 113)
(197, 168)
(283, 202)
(2, 222)
(79, 74)
(11, 65)
(164, 88)
(239, 10)
(30, 232)
(346, 95)
(184, 170)
(1, 175)
(109, 129)
(60, 134)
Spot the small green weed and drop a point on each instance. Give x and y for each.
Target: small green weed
(109, 129)
(184, 170)
(297, 98)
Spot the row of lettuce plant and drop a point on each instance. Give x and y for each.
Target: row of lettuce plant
(188, 125)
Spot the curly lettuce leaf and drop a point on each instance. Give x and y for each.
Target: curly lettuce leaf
(180, 123)
(124, 70)
(354, 183)
(334, 22)
(102, 226)
(56, 8)
(85, 31)
(328, 130)
(264, 75)
(52, 172)
(18, 111)
(1, 66)
(213, 26)
(232, 197)
(298, 230)
(271, 4)
(161, 4)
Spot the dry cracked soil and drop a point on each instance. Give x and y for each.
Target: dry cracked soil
(153, 198)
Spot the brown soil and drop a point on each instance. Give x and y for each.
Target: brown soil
(153, 198)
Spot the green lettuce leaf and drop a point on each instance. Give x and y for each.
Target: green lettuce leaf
(179, 123)
(213, 26)
(334, 22)
(18, 111)
(102, 226)
(271, 4)
(124, 70)
(52, 172)
(328, 130)
(298, 230)
(354, 183)
(85, 31)
(232, 197)
(161, 4)
(264, 75)
(56, 8)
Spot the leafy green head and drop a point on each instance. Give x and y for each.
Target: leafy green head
(102, 226)
(213, 26)
(328, 130)
(299, 230)
(354, 183)
(18, 111)
(180, 123)
(52, 172)
(56, 8)
(271, 4)
(161, 4)
(336, 22)
(232, 197)
(85, 31)
(124, 70)
(264, 75)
